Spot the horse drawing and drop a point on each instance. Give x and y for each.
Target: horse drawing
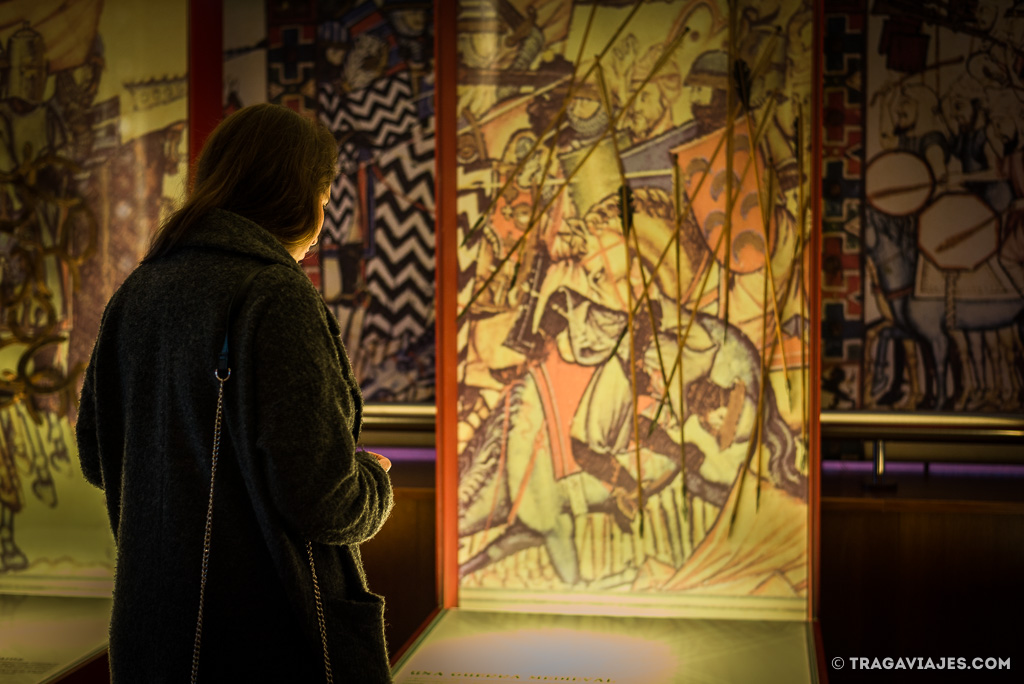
(507, 469)
(891, 244)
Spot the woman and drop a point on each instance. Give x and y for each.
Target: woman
(289, 471)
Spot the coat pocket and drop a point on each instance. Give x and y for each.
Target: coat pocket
(355, 636)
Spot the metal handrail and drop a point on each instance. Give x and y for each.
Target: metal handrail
(923, 427)
(996, 436)
(1001, 428)
(405, 425)
(410, 417)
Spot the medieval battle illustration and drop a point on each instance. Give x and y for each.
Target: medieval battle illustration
(633, 222)
(923, 282)
(91, 159)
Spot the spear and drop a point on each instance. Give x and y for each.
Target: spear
(677, 190)
(717, 246)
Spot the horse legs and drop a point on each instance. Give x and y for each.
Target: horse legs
(514, 539)
(913, 374)
(940, 354)
(965, 374)
(994, 376)
(561, 546)
(1012, 345)
(11, 557)
(877, 339)
(870, 359)
(899, 364)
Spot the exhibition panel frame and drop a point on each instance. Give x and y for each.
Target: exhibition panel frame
(601, 223)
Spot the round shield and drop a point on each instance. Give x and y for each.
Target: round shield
(898, 183)
(958, 231)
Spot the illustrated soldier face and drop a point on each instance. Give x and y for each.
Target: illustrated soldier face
(987, 13)
(904, 113)
(28, 75)
(648, 108)
(959, 112)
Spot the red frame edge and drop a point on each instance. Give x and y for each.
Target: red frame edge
(446, 306)
(205, 72)
(814, 297)
(411, 641)
(819, 654)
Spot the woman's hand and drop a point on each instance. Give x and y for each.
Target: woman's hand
(384, 461)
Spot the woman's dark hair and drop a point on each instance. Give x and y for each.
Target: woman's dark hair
(266, 163)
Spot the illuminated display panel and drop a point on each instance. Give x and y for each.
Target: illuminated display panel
(470, 646)
(633, 320)
(560, 324)
(43, 636)
(96, 112)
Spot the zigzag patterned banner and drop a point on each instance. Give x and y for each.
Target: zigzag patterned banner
(378, 116)
(401, 276)
(387, 184)
(340, 211)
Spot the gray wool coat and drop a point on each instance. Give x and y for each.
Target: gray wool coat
(288, 470)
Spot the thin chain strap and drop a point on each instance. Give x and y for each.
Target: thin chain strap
(207, 534)
(320, 614)
(223, 368)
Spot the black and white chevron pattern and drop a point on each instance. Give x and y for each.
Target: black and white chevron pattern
(400, 274)
(379, 116)
(340, 211)
(395, 148)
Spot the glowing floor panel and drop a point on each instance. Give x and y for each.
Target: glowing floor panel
(464, 646)
(42, 637)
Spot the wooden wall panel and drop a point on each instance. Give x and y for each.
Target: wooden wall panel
(921, 579)
(400, 564)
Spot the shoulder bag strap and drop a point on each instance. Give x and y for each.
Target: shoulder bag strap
(222, 373)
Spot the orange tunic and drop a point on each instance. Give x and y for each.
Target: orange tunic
(561, 385)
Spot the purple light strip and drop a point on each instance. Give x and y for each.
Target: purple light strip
(405, 454)
(1005, 470)
(978, 470)
(867, 467)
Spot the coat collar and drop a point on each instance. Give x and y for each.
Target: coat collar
(226, 230)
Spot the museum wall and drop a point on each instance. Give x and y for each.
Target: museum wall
(614, 224)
